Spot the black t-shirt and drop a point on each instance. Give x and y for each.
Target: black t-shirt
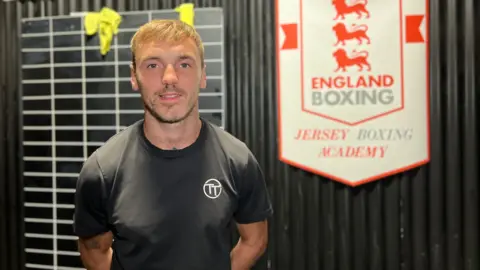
(170, 209)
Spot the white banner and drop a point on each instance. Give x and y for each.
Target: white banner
(353, 87)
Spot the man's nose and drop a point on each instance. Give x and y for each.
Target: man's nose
(169, 76)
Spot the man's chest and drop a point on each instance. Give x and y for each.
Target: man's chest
(161, 201)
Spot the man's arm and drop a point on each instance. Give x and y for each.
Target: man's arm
(251, 245)
(90, 221)
(254, 208)
(96, 252)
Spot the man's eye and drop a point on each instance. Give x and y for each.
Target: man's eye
(152, 65)
(184, 65)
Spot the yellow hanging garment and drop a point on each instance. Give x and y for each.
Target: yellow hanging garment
(186, 13)
(106, 22)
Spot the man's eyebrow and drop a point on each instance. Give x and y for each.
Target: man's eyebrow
(158, 58)
(186, 57)
(151, 58)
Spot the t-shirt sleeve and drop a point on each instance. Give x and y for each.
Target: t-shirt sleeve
(90, 215)
(254, 202)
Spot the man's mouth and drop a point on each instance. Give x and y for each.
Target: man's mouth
(169, 96)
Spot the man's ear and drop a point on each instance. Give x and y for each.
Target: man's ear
(133, 78)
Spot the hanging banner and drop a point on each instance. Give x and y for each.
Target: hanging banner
(353, 87)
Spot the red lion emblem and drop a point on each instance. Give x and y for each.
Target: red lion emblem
(358, 32)
(358, 59)
(358, 7)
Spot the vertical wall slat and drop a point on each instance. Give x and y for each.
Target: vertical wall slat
(297, 220)
(259, 93)
(452, 153)
(405, 222)
(392, 222)
(436, 165)
(229, 53)
(256, 132)
(360, 239)
(15, 190)
(344, 221)
(11, 185)
(252, 89)
(420, 252)
(313, 224)
(376, 247)
(238, 60)
(471, 226)
(4, 204)
(244, 60)
(283, 211)
(329, 229)
(272, 169)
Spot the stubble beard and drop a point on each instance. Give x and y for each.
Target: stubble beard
(150, 108)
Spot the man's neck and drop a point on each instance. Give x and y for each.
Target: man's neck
(172, 136)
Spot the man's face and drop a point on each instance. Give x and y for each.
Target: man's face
(169, 77)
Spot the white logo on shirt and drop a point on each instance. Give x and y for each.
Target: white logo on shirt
(212, 188)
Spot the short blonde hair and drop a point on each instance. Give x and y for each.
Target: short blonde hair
(165, 30)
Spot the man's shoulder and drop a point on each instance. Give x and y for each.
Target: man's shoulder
(115, 144)
(112, 150)
(234, 148)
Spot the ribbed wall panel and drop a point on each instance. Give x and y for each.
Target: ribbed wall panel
(425, 219)
(11, 186)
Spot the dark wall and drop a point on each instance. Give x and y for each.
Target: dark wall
(426, 218)
(11, 191)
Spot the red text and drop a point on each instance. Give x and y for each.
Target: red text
(321, 134)
(350, 82)
(353, 152)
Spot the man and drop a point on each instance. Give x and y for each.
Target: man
(162, 193)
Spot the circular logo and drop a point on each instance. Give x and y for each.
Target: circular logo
(212, 188)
